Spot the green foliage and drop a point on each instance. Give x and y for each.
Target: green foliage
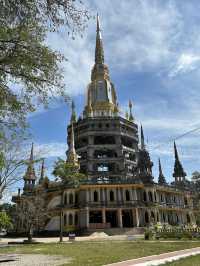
(5, 221)
(30, 72)
(67, 172)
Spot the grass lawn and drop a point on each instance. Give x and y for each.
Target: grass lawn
(100, 253)
(190, 261)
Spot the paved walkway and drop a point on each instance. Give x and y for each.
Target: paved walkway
(33, 260)
(159, 259)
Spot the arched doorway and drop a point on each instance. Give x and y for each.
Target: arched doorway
(127, 218)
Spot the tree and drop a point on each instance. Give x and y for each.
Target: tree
(5, 221)
(16, 160)
(67, 172)
(33, 213)
(30, 71)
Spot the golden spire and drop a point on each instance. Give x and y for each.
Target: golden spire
(72, 157)
(99, 53)
(130, 111)
(73, 114)
(30, 172)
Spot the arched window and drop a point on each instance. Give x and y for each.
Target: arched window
(71, 198)
(150, 196)
(164, 218)
(162, 198)
(70, 219)
(65, 219)
(127, 195)
(185, 201)
(155, 197)
(152, 216)
(146, 217)
(177, 219)
(144, 196)
(76, 219)
(96, 198)
(65, 199)
(188, 218)
(112, 196)
(76, 198)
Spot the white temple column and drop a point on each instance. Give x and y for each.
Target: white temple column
(119, 212)
(137, 217)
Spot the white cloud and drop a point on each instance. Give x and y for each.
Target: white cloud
(137, 36)
(185, 63)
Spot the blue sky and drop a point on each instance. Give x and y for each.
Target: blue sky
(152, 49)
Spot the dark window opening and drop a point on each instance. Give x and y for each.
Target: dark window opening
(96, 196)
(105, 154)
(65, 220)
(65, 199)
(185, 201)
(76, 219)
(146, 217)
(188, 218)
(127, 142)
(98, 140)
(150, 196)
(82, 142)
(83, 155)
(71, 198)
(95, 217)
(112, 196)
(76, 198)
(127, 195)
(144, 196)
(83, 169)
(70, 219)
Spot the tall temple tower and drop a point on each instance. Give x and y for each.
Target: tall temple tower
(106, 143)
(30, 177)
(179, 173)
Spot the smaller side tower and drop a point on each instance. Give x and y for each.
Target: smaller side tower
(30, 177)
(144, 165)
(179, 173)
(161, 177)
(42, 172)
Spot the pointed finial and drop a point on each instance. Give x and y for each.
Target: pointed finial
(72, 156)
(175, 151)
(31, 155)
(179, 172)
(42, 172)
(99, 53)
(161, 178)
(73, 114)
(142, 139)
(130, 111)
(98, 23)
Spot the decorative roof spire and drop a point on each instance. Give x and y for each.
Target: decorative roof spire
(73, 114)
(31, 155)
(99, 53)
(142, 139)
(130, 111)
(42, 172)
(30, 177)
(30, 172)
(71, 154)
(161, 178)
(179, 172)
